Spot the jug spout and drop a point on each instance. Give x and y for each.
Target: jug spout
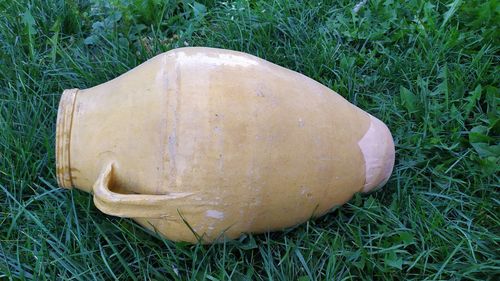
(63, 137)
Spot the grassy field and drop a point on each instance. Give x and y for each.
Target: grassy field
(429, 69)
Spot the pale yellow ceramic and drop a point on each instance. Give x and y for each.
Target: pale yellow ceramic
(220, 140)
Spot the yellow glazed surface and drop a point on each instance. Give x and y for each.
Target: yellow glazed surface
(222, 140)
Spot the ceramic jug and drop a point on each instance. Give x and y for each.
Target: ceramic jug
(203, 144)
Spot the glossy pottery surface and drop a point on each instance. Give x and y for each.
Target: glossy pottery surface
(222, 140)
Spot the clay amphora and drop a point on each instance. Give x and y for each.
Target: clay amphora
(202, 144)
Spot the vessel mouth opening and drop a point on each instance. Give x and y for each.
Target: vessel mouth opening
(63, 137)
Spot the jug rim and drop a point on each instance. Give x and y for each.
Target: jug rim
(63, 137)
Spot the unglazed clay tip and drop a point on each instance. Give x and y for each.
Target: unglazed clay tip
(378, 151)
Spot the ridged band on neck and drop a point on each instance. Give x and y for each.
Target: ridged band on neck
(63, 137)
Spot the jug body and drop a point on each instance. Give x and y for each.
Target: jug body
(201, 143)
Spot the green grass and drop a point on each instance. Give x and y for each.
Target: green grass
(429, 69)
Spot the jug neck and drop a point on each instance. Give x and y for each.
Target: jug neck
(63, 137)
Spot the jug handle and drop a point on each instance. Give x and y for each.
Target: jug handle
(134, 205)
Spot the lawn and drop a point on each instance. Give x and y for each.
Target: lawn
(429, 69)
